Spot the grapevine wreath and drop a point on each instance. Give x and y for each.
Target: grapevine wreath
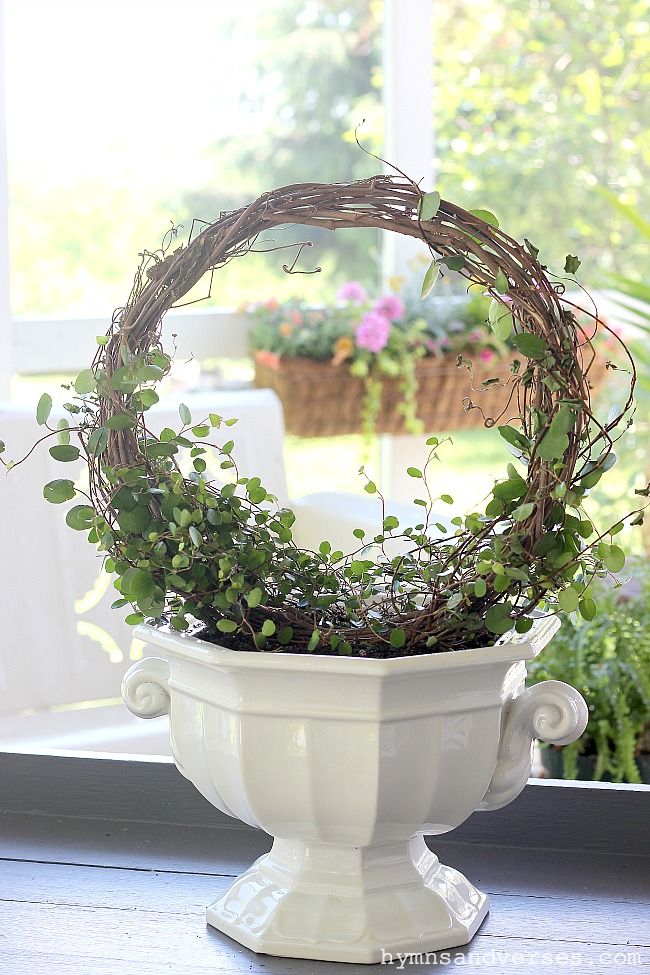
(186, 547)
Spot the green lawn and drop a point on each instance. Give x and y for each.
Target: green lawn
(468, 468)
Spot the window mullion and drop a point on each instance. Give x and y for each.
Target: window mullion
(408, 109)
(6, 356)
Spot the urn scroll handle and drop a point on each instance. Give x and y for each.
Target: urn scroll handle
(145, 687)
(552, 711)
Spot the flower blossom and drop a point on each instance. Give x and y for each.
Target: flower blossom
(343, 349)
(352, 291)
(486, 355)
(296, 316)
(390, 306)
(372, 332)
(268, 358)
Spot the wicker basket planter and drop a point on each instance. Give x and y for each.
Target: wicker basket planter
(321, 400)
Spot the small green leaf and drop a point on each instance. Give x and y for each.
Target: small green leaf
(161, 449)
(568, 600)
(614, 559)
(56, 492)
(397, 638)
(428, 206)
(503, 326)
(414, 472)
(97, 441)
(80, 517)
(102, 339)
(501, 282)
(447, 498)
(532, 250)
(314, 640)
(134, 521)
(149, 373)
(514, 437)
(63, 436)
(429, 280)
(255, 597)
(268, 628)
(120, 421)
(532, 346)
(196, 536)
(524, 625)
(138, 583)
(226, 626)
(148, 397)
(480, 588)
(285, 635)
(486, 216)
(523, 511)
(455, 263)
(497, 619)
(201, 430)
(185, 414)
(133, 618)
(510, 490)
(553, 445)
(390, 522)
(43, 409)
(64, 453)
(85, 382)
(571, 264)
(587, 608)
(182, 517)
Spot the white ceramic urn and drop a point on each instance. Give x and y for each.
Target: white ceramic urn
(348, 762)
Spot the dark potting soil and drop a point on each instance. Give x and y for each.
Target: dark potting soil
(237, 641)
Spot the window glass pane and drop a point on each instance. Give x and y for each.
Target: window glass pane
(124, 116)
(539, 107)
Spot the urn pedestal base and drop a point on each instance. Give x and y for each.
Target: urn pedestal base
(349, 904)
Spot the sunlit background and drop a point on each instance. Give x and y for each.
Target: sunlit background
(128, 117)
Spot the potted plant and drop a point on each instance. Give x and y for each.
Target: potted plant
(607, 658)
(388, 365)
(348, 703)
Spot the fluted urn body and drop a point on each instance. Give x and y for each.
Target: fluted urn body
(347, 763)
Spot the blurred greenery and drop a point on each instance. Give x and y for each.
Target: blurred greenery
(607, 659)
(536, 104)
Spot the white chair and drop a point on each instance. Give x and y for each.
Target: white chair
(63, 651)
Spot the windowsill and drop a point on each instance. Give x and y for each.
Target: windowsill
(110, 861)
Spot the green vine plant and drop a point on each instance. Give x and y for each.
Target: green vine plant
(186, 549)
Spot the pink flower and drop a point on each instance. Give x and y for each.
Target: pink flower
(390, 306)
(373, 331)
(475, 336)
(352, 291)
(296, 316)
(486, 355)
(271, 304)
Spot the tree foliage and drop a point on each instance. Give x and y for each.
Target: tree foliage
(537, 104)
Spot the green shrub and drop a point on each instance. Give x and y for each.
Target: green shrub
(607, 659)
